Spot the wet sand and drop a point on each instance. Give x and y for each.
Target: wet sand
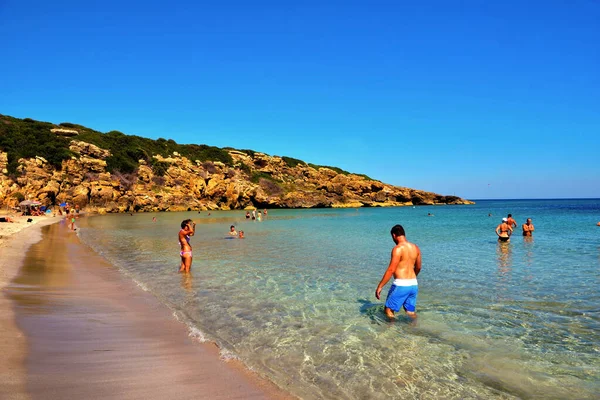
(85, 331)
(15, 239)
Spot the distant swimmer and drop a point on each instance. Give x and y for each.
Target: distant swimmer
(528, 228)
(504, 231)
(247, 214)
(265, 212)
(253, 214)
(510, 221)
(232, 230)
(259, 216)
(188, 229)
(241, 235)
(153, 219)
(405, 265)
(430, 215)
(598, 224)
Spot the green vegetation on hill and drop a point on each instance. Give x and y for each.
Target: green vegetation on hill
(340, 171)
(127, 150)
(27, 138)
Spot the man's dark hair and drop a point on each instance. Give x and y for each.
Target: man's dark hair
(510, 215)
(185, 222)
(232, 226)
(398, 230)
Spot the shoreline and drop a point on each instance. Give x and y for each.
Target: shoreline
(15, 240)
(73, 326)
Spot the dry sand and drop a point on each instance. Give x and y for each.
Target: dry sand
(84, 331)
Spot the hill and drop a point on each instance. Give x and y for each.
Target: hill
(115, 172)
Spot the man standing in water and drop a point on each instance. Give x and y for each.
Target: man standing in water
(528, 228)
(511, 221)
(405, 265)
(188, 229)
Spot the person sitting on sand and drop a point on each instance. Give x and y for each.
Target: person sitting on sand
(6, 219)
(241, 235)
(188, 229)
(232, 231)
(528, 228)
(504, 231)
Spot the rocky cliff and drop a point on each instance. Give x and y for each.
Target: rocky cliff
(252, 180)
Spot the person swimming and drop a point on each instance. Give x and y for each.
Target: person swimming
(241, 235)
(232, 231)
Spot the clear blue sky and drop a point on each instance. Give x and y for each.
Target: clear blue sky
(480, 99)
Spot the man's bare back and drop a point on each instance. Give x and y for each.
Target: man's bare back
(404, 266)
(406, 254)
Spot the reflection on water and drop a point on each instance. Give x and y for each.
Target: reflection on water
(504, 258)
(187, 282)
(295, 299)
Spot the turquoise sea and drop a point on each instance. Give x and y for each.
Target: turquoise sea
(295, 300)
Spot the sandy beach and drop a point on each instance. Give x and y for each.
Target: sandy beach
(72, 327)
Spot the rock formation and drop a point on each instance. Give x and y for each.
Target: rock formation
(253, 180)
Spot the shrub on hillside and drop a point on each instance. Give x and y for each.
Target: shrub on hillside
(28, 138)
(271, 187)
(159, 168)
(292, 162)
(19, 196)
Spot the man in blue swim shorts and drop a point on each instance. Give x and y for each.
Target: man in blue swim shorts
(405, 265)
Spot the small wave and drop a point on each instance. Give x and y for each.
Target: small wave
(194, 333)
(226, 355)
(197, 335)
(141, 285)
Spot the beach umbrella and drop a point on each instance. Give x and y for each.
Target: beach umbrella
(29, 203)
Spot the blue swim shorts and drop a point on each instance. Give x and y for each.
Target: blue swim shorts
(402, 296)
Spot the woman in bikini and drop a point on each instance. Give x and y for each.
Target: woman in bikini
(188, 228)
(504, 231)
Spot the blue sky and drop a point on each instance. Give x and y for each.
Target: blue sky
(471, 98)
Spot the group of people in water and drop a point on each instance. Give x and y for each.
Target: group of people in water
(505, 229)
(188, 229)
(234, 233)
(404, 265)
(254, 216)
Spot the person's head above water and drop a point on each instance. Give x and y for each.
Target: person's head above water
(504, 219)
(185, 223)
(232, 228)
(397, 230)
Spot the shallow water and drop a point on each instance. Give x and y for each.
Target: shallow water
(295, 299)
